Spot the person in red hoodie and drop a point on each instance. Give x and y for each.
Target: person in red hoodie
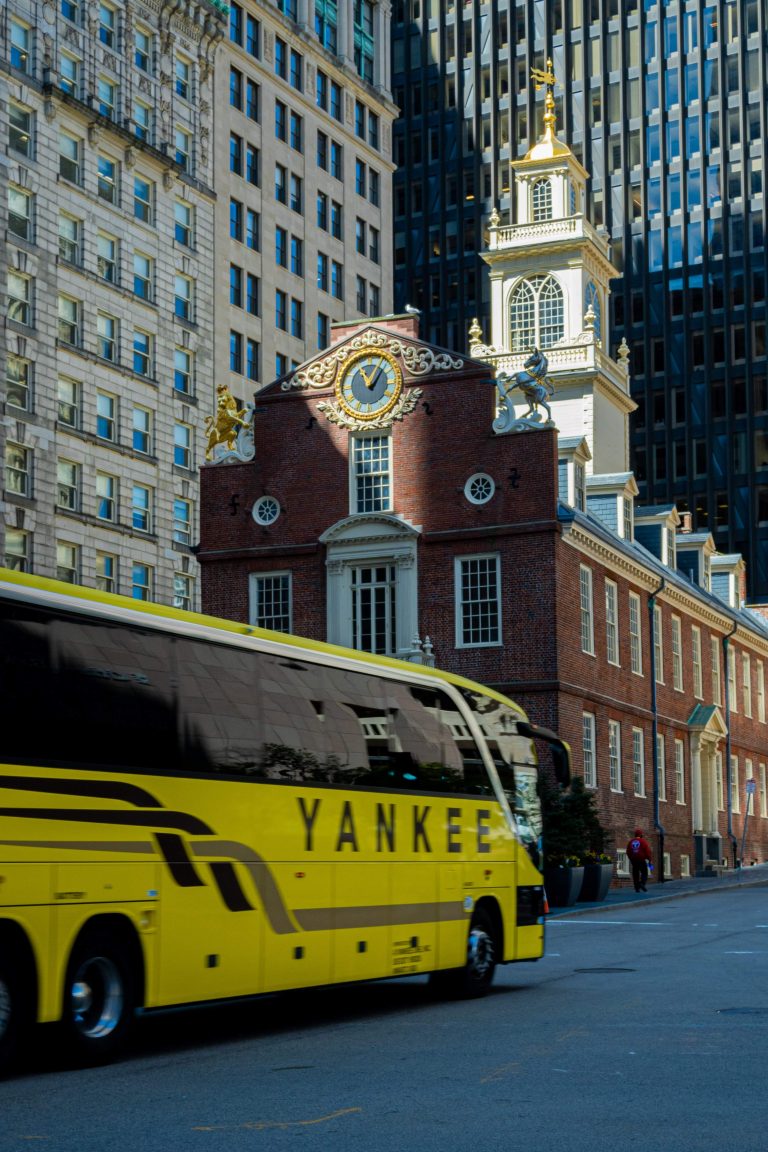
(640, 856)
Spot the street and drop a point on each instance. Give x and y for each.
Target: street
(644, 1026)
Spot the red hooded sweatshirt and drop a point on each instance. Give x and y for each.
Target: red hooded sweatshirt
(638, 847)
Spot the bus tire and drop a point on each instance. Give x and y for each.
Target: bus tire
(99, 996)
(13, 1010)
(476, 977)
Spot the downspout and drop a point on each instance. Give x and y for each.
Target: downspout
(728, 781)
(655, 727)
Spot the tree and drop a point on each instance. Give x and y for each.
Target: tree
(572, 829)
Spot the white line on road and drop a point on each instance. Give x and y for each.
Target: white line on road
(597, 923)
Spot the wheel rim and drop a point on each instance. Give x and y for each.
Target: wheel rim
(6, 1007)
(480, 958)
(97, 997)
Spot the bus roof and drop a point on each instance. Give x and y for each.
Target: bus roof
(164, 613)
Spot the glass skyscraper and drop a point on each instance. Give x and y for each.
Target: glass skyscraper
(664, 104)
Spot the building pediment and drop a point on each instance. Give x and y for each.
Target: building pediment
(707, 720)
(369, 528)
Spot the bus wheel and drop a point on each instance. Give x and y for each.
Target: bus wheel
(476, 977)
(99, 997)
(11, 1010)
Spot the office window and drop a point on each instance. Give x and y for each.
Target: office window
(270, 601)
(70, 158)
(363, 39)
(141, 582)
(183, 223)
(107, 179)
(107, 337)
(182, 521)
(373, 248)
(335, 102)
(253, 165)
(252, 294)
(183, 146)
(18, 382)
(106, 416)
(236, 352)
(183, 371)
(20, 121)
(142, 276)
(252, 354)
(235, 154)
(68, 485)
(235, 286)
(252, 230)
(297, 319)
(677, 654)
(143, 199)
(281, 310)
(281, 184)
(589, 763)
(373, 186)
(106, 572)
(67, 562)
(360, 235)
(337, 280)
(19, 43)
(336, 220)
(281, 59)
(611, 622)
(337, 160)
(182, 446)
(322, 211)
(296, 132)
(142, 121)
(361, 182)
(236, 88)
(236, 23)
(679, 772)
(236, 220)
(68, 401)
(107, 26)
(21, 219)
(322, 271)
(658, 644)
(18, 549)
(18, 469)
(323, 330)
(183, 78)
(297, 70)
(20, 298)
(361, 294)
(478, 603)
(141, 508)
(142, 49)
(106, 97)
(69, 74)
(183, 591)
(183, 297)
(68, 329)
(142, 352)
(281, 247)
(252, 100)
(586, 611)
(638, 761)
(142, 430)
(297, 255)
(374, 307)
(253, 36)
(296, 194)
(106, 497)
(326, 22)
(107, 258)
(698, 682)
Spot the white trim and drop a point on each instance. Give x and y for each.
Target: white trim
(253, 579)
(458, 602)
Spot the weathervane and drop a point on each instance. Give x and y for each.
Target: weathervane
(542, 77)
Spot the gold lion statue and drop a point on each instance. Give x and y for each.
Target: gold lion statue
(225, 425)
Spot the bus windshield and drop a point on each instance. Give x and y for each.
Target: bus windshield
(515, 762)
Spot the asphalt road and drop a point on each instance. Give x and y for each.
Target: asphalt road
(643, 1028)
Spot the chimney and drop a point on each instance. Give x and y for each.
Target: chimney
(686, 522)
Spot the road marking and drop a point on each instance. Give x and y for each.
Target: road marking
(634, 923)
(756, 952)
(262, 1125)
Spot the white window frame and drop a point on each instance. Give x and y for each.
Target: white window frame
(588, 744)
(614, 755)
(638, 761)
(749, 774)
(357, 474)
(635, 634)
(461, 565)
(18, 469)
(138, 585)
(69, 488)
(717, 680)
(677, 654)
(183, 591)
(182, 525)
(107, 497)
(69, 572)
(679, 771)
(587, 610)
(261, 581)
(662, 766)
(719, 782)
(698, 679)
(612, 622)
(761, 692)
(746, 683)
(658, 642)
(105, 581)
(733, 699)
(763, 789)
(735, 789)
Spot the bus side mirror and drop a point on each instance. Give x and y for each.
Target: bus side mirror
(561, 752)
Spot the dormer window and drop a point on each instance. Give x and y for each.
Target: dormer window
(627, 517)
(541, 200)
(536, 314)
(592, 300)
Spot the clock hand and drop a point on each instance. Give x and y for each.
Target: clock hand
(366, 379)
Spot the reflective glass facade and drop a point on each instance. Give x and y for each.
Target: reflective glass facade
(663, 104)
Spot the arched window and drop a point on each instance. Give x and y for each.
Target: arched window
(541, 200)
(536, 314)
(592, 298)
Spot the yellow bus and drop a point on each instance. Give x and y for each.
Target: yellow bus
(193, 809)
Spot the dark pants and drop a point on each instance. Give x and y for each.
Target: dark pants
(639, 873)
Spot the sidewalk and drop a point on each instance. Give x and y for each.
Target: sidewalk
(753, 877)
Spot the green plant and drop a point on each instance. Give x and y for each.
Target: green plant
(572, 830)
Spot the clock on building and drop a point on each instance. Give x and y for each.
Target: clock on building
(369, 384)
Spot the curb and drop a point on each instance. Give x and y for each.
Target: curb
(605, 906)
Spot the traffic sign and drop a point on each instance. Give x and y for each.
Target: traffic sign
(751, 787)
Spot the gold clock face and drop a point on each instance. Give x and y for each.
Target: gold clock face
(369, 384)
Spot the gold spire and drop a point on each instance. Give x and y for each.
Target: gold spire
(548, 146)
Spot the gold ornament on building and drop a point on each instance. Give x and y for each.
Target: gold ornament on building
(223, 428)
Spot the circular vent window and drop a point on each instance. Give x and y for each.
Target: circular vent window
(479, 488)
(266, 510)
